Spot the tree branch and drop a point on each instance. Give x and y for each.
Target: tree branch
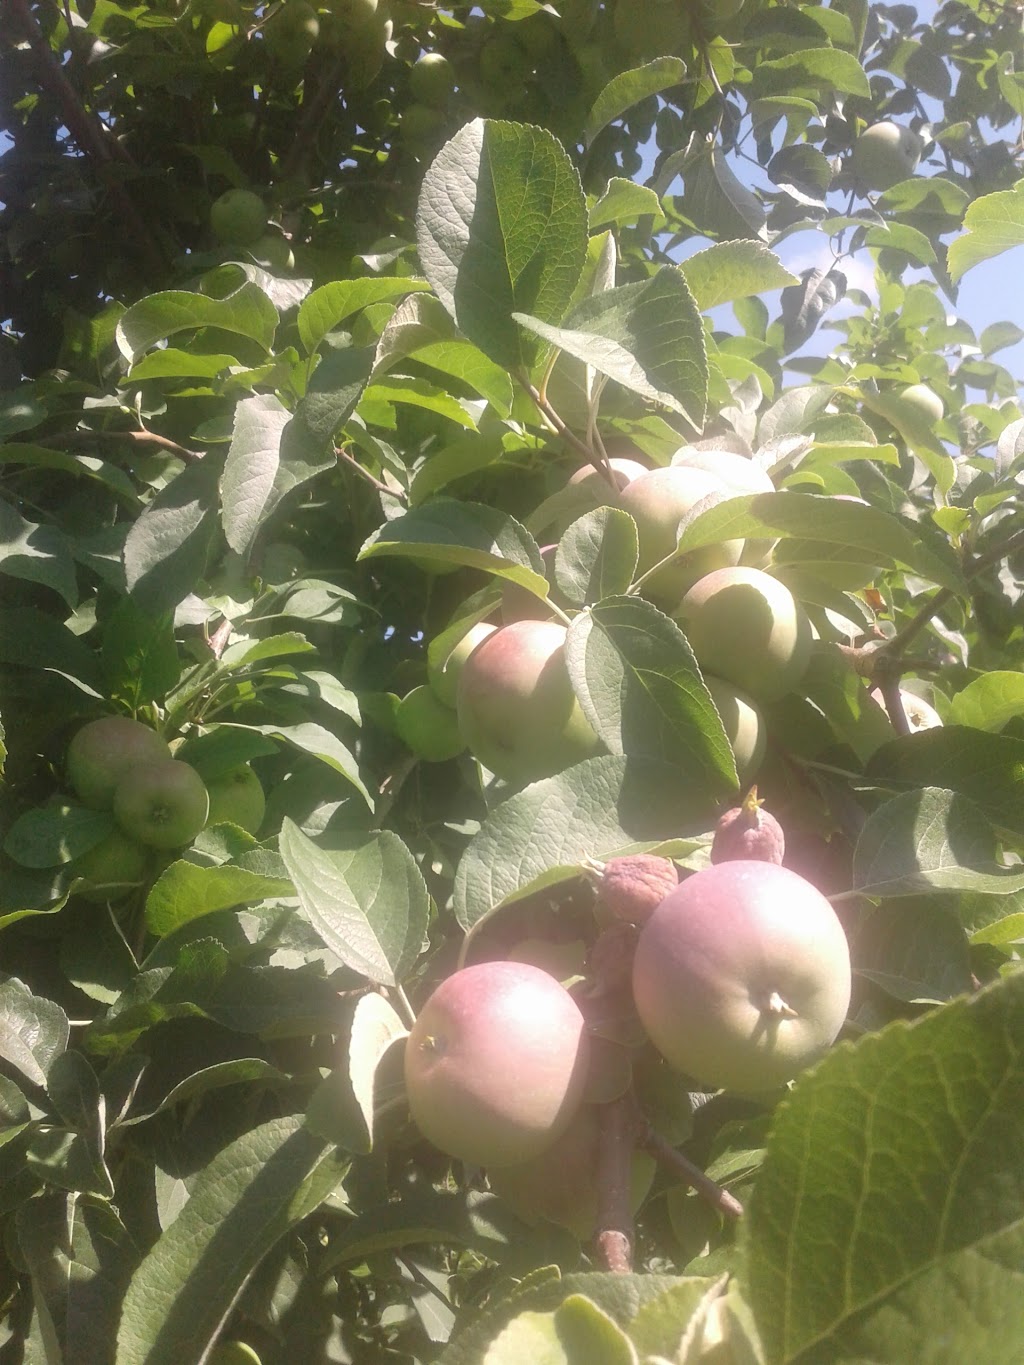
(542, 405)
(664, 1153)
(617, 1130)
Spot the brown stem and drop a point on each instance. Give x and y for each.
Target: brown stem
(663, 1152)
(371, 479)
(893, 702)
(617, 1129)
(311, 116)
(151, 438)
(542, 405)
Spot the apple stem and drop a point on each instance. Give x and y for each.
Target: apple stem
(616, 1141)
(776, 1005)
(664, 1153)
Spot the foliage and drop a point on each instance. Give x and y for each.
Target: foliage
(249, 489)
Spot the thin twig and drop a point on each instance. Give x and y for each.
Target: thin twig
(141, 437)
(371, 479)
(617, 1128)
(311, 116)
(708, 1189)
(544, 407)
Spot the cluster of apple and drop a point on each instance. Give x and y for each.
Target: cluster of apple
(157, 801)
(739, 975)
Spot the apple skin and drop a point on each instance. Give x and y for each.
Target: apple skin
(624, 469)
(744, 727)
(103, 751)
(113, 867)
(431, 79)
(740, 476)
(273, 252)
(428, 727)
(657, 501)
(292, 32)
(742, 976)
(164, 805)
(928, 404)
(746, 627)
(517, 710)
(238, 218)
(445, 681)
(885, 154)
(561, 1184)
(496, 1063)
(237, 798)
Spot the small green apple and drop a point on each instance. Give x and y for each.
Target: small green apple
(924, 402)
(238, 217)
(445, 680)
(112, 867)
(355, 13)
(163, 804)
(273, 252)
(743, 724)
(234, 1353)
(291, 32)
(428, 727)
(885, 154)
(103, 751)
(421, 123)
(237, 798)
(432, 79)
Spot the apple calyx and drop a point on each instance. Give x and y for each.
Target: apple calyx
(632, 887)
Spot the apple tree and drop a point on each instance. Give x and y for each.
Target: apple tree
(511, 643)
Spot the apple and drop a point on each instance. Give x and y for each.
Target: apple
(651, 28)
(749, 833)
(431, 79)
(561, 1184)
(741, 476)
(234, 1353)
(292, 32)
(885, 154)
(624, 471)
(517, 710)
(355, 13)
(519, 604)
(747, 627)
(743, 724)
(496, 1063)
(633, 886)
(238, 217)
(657, 501)
(504, 66)
(112, 867)
(103, 751)
(421, 123)
(445, 680)
(273, 252)
(237, 798)
(428, 727)
(742, 976)
(163, 804)
(924, 402)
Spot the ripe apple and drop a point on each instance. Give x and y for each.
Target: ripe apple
(743, 724)
(561, 1184)
(237, 798)
(746, 627)
(445, 680)
(742, 976)
(885, 154)
(163, 804)
(238, 217)
(924, 402)
(428, 727)
(431, 79)
(292, 32)
(112, 867)
(657, 501)
(103, 751)
(517, 710)
(496, 1063)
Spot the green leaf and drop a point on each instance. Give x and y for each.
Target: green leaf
(50, 836)
(247, 311)
(449, 532)
(37, 554)
(183, 892)
(342, 1109)
(811, 72)
(140, 658)
(366, 899)
(33, 639)
(642, 691)
(482, 1222)
(320, 744)
(891, 1198)
(590, 1336)
(624, 202)
(733, 270)
(379, 396)
(165, 550)
(989, 702)
(992, 224)
(597, 556)
(598, 808)
(914, 950)
(629, 88)
(33, 1030)
(222, 748)
(808, 517)
(502, 228)
(649, 337)
(251, 468)
(252, 1193)
(530, 1336)
(930, 839)
(332, 303)
(661, 1324)
(240, 1071)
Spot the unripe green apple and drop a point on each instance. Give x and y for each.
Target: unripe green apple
(657, 501)
(237, 798)
(112, 867)
(163, 804)
(885, 154)
(421, 122)
(561, 1184)
(234, 1353)
(445, 680)
(742, 976)
(740, 476)
(273, 252)
(431, 79)
(624, 470)
(103, 751)
(743, 724)
(291, 32)
(238, 217)
(428, 727)
(496, 1063)
(746, 627)
(517, 710)
(504, 66)
(928, 404)
(355, 13)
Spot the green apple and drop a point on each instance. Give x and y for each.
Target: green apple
(924, 402)
(445, 680)
(504, 66)
(355, 13)
(112, 867)
(747, 628)
(742, 976)
(624, 471)
(291, 32)
(421, 123)
(238, 217)
(432, 79)
(234, 1353)
(273, 252)
(517, 710)
(743, 724)
(103, 751)
(237, 798)
(163, 804)
(496, 1063)
(428, 727)
(885, 154)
